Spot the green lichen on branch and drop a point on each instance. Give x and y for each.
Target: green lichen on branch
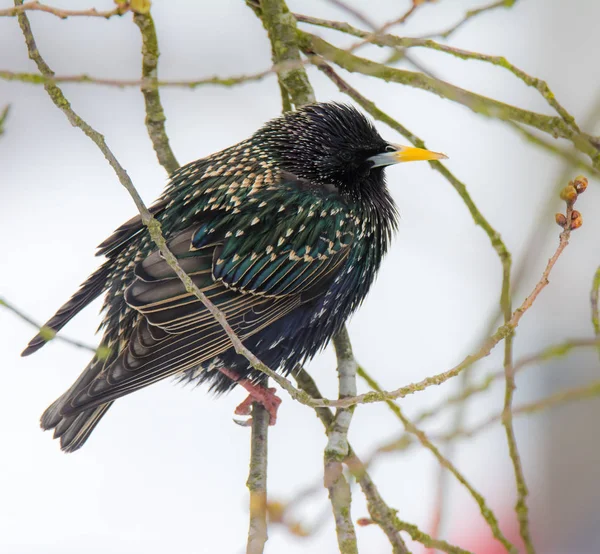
(3, 117)
(555, 126)
(395, 42)
(411, 428)
(281, 28)
(155, 115)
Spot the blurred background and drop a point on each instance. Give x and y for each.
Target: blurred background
(166, 470)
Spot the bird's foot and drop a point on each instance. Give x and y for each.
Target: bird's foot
(256, 393)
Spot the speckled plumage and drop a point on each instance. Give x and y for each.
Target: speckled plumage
(284, 232)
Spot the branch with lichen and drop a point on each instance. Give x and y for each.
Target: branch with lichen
(3, 117)
(473, 13)
(257, 480)
(380, 512)
(411, 428)
(555, 126)
(280, 25)
(122, 8)
(146, 84)
(337, 448)
(155, 115)
(393, 41)
(45, 332)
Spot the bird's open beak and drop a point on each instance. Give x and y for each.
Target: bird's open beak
(405, 154)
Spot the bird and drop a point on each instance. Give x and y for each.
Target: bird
(284, 232)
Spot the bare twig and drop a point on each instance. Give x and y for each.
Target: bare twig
(552, 352)
(555, 126)
(379, 511)
(3, 117)
(46, 333)
(568, 155)
(473, 13)
(591, 390)
(392, 41)
(155, 115)
(410, 427)
(353, 12)
(121, 9)
(594, 304)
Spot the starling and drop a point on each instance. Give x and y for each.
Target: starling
(283, 232)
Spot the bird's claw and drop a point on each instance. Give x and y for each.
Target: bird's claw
(267, 397)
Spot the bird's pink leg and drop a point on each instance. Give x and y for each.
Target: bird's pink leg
(256, 393)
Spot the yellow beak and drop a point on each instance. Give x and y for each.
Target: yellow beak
(405, 154)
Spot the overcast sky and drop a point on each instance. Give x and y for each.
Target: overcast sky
(165, 471)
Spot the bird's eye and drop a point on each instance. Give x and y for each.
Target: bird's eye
(345, 155)
(390, 148)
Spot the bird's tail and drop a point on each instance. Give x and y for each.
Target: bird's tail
(72, 430)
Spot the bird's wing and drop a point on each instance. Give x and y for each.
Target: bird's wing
(255, 277)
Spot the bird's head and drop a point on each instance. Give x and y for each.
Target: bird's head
(335, 144)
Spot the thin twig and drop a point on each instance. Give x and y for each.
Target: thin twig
(591, 390)
(396, 42)
(46, 333)
(410, 427)
(473, 13)
(3, 117)
(353, 12)
(521, 509)
(146, 84)
(379, 511)
(555, 126)
(595, 292)
(568, 155)
(155, 115)
(552, 352)
(64, 14)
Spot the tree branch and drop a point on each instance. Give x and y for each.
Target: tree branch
(379, 511)
(473, 13)
(337, 449)
(396, 42)
(281, 27)
(155, 115)
(47, 333)
(483, 105)
(121, 9)
(410, 427)
(257, 480)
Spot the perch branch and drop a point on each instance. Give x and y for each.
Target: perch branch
(379, 511)
(337, 449)
(257, 480)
